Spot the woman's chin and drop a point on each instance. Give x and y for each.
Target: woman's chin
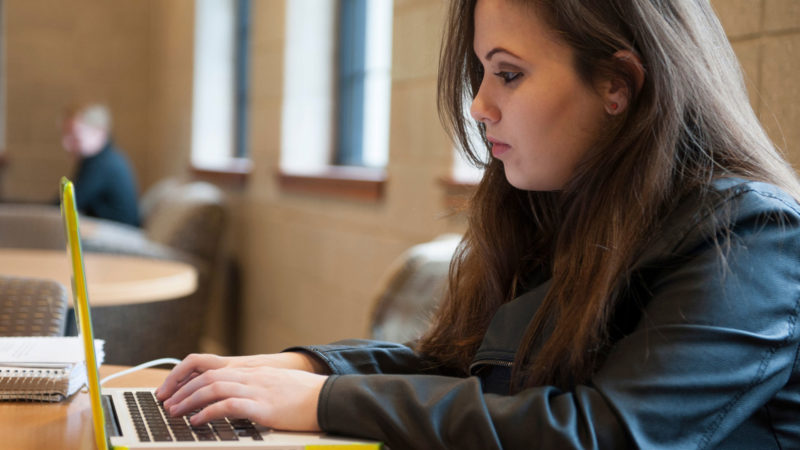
(532, 183)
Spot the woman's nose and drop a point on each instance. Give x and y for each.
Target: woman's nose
(483, 109)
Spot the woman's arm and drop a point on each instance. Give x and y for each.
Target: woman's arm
(279, 390)
(359, 356)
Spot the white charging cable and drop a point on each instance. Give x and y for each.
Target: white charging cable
(155, 362)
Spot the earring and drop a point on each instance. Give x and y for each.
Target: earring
(614, 106)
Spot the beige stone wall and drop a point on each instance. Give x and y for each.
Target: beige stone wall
(57, 52)
(136, 56)
(169, 95)
(766, 37)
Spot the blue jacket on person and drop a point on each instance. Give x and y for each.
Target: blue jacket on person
(105, 187)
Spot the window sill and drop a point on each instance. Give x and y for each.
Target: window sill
(353, 183)
(234, 173)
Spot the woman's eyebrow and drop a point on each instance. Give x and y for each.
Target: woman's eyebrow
(499, 50)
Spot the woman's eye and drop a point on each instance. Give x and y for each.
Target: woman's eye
(508, 77)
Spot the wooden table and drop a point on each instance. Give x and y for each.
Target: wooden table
(63, 425)
(112, 279)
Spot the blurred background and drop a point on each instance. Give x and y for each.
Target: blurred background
(317, 118)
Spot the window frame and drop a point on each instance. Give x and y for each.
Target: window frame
(337, 175)
(233, 169)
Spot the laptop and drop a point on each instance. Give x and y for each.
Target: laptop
(132, 418)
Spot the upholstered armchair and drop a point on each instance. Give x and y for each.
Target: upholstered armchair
(32, 307)
(412, 289)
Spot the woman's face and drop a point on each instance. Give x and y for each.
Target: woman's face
(540, 117)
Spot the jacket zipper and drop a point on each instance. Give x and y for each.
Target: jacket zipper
(490, 362)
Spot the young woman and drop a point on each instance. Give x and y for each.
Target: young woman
(629, 277)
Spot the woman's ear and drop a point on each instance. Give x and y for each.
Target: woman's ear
(616, 91)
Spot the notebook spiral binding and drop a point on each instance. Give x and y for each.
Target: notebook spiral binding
(33, 384)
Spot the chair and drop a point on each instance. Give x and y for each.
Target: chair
(412, 289)
(189, 219)
(32, 307)
(142, 332)
(32, 226)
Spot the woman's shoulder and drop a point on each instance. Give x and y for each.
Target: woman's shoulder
(726, 207)
(735, 205)
(748, 196)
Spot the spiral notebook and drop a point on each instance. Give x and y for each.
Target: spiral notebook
(42, 368)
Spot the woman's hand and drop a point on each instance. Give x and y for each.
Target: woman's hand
(195, 364)
(277, 398)
(276, 391)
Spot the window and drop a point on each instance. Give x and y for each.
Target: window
(219, 116)
(350, 83)
(464, 171)
(364, 82)
(242, 71)
(336, 91)
(464, 175)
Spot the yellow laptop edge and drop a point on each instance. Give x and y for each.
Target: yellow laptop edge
(80, 301)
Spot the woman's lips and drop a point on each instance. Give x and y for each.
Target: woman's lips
(498, 148)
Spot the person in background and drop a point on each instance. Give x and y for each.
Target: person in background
(630, 274)
(105, 185)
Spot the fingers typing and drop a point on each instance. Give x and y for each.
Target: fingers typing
(192, 366)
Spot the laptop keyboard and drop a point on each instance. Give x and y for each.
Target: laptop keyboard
(153, 423)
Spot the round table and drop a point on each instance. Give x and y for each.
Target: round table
(111, 279)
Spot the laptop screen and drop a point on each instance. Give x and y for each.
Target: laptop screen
(80, 301)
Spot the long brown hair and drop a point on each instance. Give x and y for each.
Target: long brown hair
(689, 123)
